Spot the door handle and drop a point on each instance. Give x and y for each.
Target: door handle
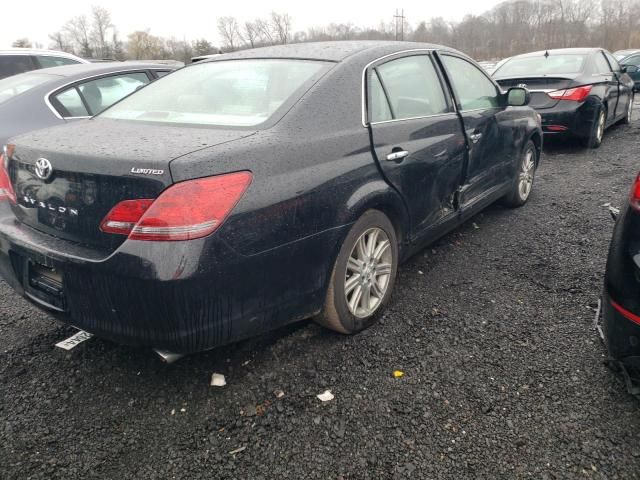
(397, 156)
(475, 137)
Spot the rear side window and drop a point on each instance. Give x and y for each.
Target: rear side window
(615, 66)
(378, 105)
(70, 104)
(601, 64)
(412, 86)
(14, 64)
(104, 92)
(92, 97)
(47, 61)
(472, 87)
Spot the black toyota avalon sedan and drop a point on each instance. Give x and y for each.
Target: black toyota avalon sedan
(258, 188)
(621, 297)
(578, 91)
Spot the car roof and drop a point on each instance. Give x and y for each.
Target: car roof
(336, 51)
(39, 51)
(560, 51)
(82, 69)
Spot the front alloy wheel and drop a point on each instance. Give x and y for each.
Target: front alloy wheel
(525, 175)
(627, 118)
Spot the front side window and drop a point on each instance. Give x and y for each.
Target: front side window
(472, 87)
(412, 86)
(15, 85)
(224, 93)
(47, 61)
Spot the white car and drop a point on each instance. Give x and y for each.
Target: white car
(20, 60)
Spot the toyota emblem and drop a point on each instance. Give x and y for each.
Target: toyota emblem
(43, 168)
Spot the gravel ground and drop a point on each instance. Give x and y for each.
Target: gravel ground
(492, 327)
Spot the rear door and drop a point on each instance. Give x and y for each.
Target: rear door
(416, 137)
(479, 101)
(612, 96)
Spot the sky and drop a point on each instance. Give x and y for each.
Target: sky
(191, 19)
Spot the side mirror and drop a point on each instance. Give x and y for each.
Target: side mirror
(630, 68)
(518, 97)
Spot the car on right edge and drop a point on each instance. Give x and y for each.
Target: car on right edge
(620, 303)
(577, 91)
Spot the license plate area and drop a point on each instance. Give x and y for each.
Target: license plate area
(44, 284)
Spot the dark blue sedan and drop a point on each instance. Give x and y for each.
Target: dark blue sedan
(258, 188)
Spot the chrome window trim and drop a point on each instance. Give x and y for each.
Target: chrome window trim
(62, 87)
(413, 118)
(364, 82)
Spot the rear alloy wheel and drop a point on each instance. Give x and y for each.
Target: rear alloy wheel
(627, 118)
(363, 275)
(597, 133)
(523, 182)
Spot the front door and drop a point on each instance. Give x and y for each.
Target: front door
(479, 103)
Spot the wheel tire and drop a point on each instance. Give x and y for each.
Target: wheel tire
(520, 192)
(627, 118)
(594, 140)
(337, 313)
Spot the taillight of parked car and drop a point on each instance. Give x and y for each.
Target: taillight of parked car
(185, 211)
(6, 189)
(634, 196)
(577, 94)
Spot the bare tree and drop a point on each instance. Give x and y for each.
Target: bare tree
(60, 41)
(250, 34)
(142, 45)
(229, 31)
(281, 26)
(100, 31)
(79, 30)
(22, 43)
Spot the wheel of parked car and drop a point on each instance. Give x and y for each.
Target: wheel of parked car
(363, 275)
(627, 118)
(597, 132)
(523, 181)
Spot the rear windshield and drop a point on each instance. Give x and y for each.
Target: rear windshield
(553, 64)
(13, 86)
(224, 93)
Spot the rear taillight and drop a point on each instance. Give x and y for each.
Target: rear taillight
(184, 211)
(6, 189)
(634, 196)
(577, 94)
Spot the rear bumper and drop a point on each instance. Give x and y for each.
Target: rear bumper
(575, 118)
(621, 335)
(179, 296)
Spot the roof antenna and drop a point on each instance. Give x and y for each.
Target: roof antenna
(546, 54)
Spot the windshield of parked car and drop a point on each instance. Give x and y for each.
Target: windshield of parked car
(14, 86)
(552, 64)
(225, 93)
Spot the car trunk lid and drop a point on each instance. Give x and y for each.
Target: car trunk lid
(67, 179)
(539, 87)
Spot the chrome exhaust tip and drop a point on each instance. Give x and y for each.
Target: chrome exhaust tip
(168, 357)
